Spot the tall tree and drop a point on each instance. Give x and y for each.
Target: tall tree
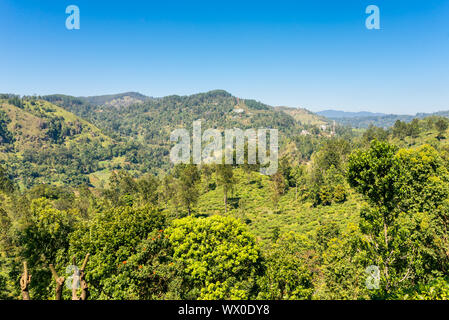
(298, 176)
(405, 222)
(441, 125)
(188, 177)
(225, 178)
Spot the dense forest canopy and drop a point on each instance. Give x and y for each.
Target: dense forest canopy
(89, 179)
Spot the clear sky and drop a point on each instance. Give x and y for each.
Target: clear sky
(315, 54)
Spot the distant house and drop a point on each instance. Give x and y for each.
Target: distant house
(305, 133)
(239, 110)
(323, 127)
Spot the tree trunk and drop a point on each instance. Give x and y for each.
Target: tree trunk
(59, 283)
(75, 280)
(84, 286)
(387, 262)
(25, 282)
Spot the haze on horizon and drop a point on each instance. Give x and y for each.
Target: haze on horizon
(316, 55)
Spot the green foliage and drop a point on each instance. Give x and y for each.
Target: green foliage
(105, 187)
(226, 180)
(216, 256)
(6, 136)
(405, 223)
(142, 125)
(441, 125)
(51, 145)
(371, 173)
(187, 187)
(16, 101)
(436, 290)
(327, 182)
(343, 265)
(6, 184)
(112, 237)
(149, 273)
(325, 233)
(403, 129)
(287, 276)
(43, 237)
(125, 190)
(339, 194)
(374, 133)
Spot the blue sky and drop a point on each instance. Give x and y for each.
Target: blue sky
(314, 54)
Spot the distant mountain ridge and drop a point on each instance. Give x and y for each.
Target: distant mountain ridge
(90, 107)
(364, 119)
(105, 99)
(333, 114)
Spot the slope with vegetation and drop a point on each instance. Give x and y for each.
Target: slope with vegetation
(338, 204)
(304, 116)
(145, 126)
(43, 143)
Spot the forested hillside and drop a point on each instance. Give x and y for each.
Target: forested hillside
(145, 126)
(43, 143)
(152, 120)
(304, 116)
(340, 202)
(67, 140)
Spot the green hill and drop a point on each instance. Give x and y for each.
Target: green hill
(251, 201)
(304, 116)
(154, 118)
(321, 217)
(49, 144)
(62, 139)
(121, 99)
(146, 125)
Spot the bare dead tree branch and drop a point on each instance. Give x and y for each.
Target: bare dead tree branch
(75, 280)
(25, 282)
(59, 283)
(84, 286)
(82, 278)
